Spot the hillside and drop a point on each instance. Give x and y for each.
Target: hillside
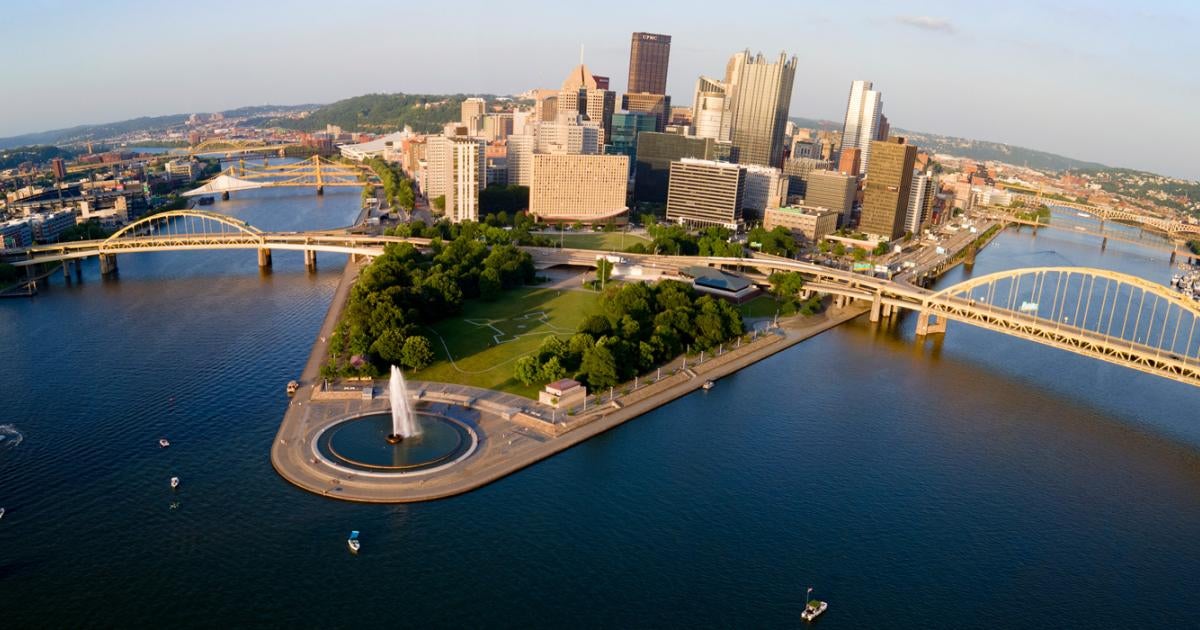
(381, 112)
(135, 125)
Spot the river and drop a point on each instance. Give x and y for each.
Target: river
(974, 480)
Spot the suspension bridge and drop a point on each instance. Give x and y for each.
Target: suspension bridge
(1101, 314)
(315, 172)
(1173, 243)
(1105, 213)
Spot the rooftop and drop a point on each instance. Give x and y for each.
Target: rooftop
(716, 278)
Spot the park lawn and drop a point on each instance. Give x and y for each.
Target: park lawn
(761, 306)
(519, 320)
(604, 241)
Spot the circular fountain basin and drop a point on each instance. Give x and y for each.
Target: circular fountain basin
(362, 444)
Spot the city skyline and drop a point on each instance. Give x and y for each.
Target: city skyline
(955, 77)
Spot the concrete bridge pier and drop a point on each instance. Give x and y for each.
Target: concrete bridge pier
(108, 264)
(1104, 244)
(925, 327)
(320, 190)
(875, 308)
(310, 260)
(264, 257)
(225, 196)
(1172, 257)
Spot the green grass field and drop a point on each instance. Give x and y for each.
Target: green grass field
(604, 241)
(761, 306)
(488, 337)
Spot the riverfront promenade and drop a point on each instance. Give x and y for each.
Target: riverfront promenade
(506, 444)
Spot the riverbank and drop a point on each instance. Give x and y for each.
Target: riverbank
(514, 432)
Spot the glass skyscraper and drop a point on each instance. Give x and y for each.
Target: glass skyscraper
(759, 108)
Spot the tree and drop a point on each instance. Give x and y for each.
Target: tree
(599, 367)
(417, 353)
(839, 249)
(603, 270)
(489, 284)
(389, 346)
(552, 370)
(527, 370)
(786, 285)
(439, 203)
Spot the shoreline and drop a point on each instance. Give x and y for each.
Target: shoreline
(509, 441)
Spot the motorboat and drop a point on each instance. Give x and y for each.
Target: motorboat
(708, 385)
(353, 543)
(813, 608)
(292, 386)
(163, 443)
(174, 482)
(1, 512)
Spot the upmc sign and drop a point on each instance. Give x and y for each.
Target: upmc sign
(651, 37)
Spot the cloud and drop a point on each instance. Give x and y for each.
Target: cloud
(926, 23)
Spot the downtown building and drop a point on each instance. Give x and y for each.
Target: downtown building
(797, 171)
(456, 169)
(864, 109)
(626, 127)
(576, 187)
(649, 56)
(656, 152)
(708, 108)
(706, 193)
(471, 115)
(832, 190)
(764, 189)
(587, 95)
(888, 187)
(758, 105)
(920, 201)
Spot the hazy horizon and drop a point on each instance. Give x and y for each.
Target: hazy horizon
(1083, 80)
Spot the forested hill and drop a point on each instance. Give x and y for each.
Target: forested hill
(382, 112)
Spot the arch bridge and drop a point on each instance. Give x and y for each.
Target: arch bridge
(315, 172)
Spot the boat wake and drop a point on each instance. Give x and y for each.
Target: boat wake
(10, 437)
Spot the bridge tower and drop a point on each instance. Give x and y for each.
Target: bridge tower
(320, 182)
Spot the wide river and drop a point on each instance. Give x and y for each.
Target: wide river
(972, 481)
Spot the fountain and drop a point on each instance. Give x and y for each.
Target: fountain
(404, 425)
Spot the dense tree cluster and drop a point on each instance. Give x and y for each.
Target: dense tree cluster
(786, 287)
(87, 231)
(496, 229)
(404, 289)
(674, 239)
(425, 113)
(638, 326)
(397, 189)
(777, 242)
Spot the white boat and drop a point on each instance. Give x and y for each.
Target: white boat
(163, 443)
(1029, 307)
(353, 543)
(813, 608)
(1, 512)
(174, 482)
(708, 385)
(1083, 214)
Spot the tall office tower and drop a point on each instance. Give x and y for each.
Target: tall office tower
(836, 191)
(885, 128)
(472, 114)
(708, 108)
(521, 118)
(589, 188)
(863, 110)
(759, 109)
(457, 170)
(520, 159)
(649, 54)
(657, 105)
(656, 152)
(920, 201)
(570, 135)
(626, 127)
(850, 161)
(797, 170)
(545, 105)
(581, 93)
(497, 126)
(889, 184)
(704, 192)
(733, 73)
(764, 189)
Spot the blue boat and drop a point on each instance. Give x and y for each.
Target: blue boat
(353, 542)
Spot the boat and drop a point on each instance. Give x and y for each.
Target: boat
(292, 386)
(708, 385)
(1029, 307)
(1, 512)
(174, 482)
(813, 608)
(1083, 214)
(163, 443)
(353, 542)
(206, 201)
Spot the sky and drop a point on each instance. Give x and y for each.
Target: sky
(1107, 81)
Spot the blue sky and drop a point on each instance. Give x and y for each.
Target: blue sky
(1113, 82)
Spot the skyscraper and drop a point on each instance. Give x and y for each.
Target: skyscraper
(582, 94)
(708, 108)
(759, 108)
(649, 54)
(626, 127)
(889, 185)
(472, 114)
(657, 105)
(457, 170)
(920, 201)
(863, 111)
(703, 193)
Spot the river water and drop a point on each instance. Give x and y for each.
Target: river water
(970, 481)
